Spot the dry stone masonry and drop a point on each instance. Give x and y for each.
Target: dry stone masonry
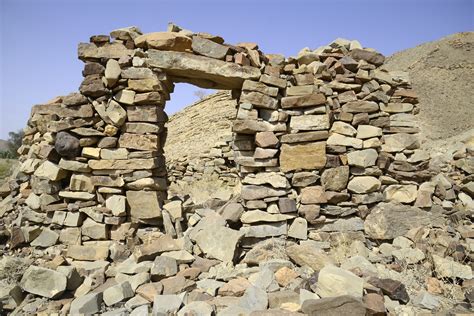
(337, 203)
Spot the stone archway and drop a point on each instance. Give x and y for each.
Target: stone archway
(313, 135)
(143, 87)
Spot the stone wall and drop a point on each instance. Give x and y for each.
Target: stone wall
(218, 163)
(327, 135)
(318, 139)
(197, 128)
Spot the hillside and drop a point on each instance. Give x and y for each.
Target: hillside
(195, 129)
(442, 75)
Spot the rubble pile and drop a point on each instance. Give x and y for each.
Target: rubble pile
(339, 210)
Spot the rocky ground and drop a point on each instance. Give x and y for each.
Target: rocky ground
(405, 261)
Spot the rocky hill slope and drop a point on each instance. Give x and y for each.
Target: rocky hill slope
(441, 72)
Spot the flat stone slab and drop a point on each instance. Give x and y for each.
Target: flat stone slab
(43, 282)
(217, 73)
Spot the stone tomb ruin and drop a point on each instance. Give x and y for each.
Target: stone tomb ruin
(324, 143)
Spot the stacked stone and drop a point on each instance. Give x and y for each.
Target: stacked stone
(325, 136)
(216, 164)
(92, 162)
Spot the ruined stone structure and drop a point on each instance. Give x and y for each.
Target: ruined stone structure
(324, 144)
(314, 135)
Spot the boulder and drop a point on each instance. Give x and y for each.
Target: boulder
(140, 142)
(360, 107)
(163, 267)
(298, 229)
(259, 100)
(93, 87)
(51, 171)
(396, 107)
(340, 140)
(369, 56)
(197, 308)
(266, 139)
(274, 179)
(388, 220)
(254, 299)
(334, 306)
(129, 164)
(257, 192)
(343, 129)
(300, 101)
(334, 281)
(43, 282)
(392, 288)
(112, 72)
(87, 304)
(116, 50)
(67, 145)
(399, 142)
(117, 293)
(313, 195)
(256, 216)
(232, 212)
(401, 193)
(46, 238)
(167, 304)
(223, 250)
(304, 137)
(448, 268)
(368, 131)
(250, 85)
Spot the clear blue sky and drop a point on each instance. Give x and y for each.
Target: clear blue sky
(39, 37)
